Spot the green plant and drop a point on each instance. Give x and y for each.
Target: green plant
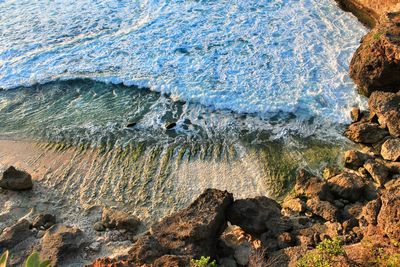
(3, 259)
(324, 254)
(34, 261)
(204, 262)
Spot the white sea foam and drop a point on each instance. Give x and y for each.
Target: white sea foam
(247, 56)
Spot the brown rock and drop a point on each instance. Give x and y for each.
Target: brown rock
(311, 186)
(17, 180)
(347, 185)
(364, 132)
(386, 106)
(44, 220)
(369, 214)
(391, 149)
(323, 209)
(379, 172)
(60, 242)
(15, 234)
(172, 261)
(355, 114)
(354, 159)
(375, 64)
(389, 215)
(255, 215)
(120, 220)
(294, 204)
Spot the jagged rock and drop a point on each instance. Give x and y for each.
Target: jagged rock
(171, 261)
(379, 172)
(376, 63)
(44, 220)
(347, 185)
(391, 149)
(17, 180)
(242, 254)
(255, 215)
(355, 114)
(60, 242)
(311, 186)
(15, 234)
(120, 220)
(99, 227)
(310, 236)
(389, 215)
(365, 132)
(294, 204)
(386, 106)
(393, 167)
(354, 159)
(323, 209)
(227, 262)
(369, 214)
(192, 232)
(285, 240)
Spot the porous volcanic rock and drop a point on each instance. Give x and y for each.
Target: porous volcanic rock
(386, 106)
(391, 149)
(365, 132)
(112, 218)
(311, 186)
(389, 215)
(255, 215)
(375, 66)
(323, 209)
(17, 180)
(354, 159)
(15, 234)
(347, 185)
(60, 242)
(379, 172)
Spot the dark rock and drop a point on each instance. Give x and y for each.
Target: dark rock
(170, 125)
(255, 215)
(15, 234)
(285, 240)
(99, 227)
(389, 215)
(369, 214)
(192, 232)
(44, 220)
(364, 132)
(131, 124)
(323, 209)
(355, 114)
(376, 63)
(311, 186)
(60, 242)
(386, 106)
(347, 185)
(119, 220)
(354, 159)
(172, 261)
(14, 179)
(379, 172)
(391, 149)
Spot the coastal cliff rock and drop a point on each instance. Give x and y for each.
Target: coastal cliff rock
(376, 64)
(386, 106)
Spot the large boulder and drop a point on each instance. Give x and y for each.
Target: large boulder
(347, 185)
(255, 215)
(192, 232)
(391, 149)
(17, 180)
(323, 209)
(389, 215)
(311, 186)
(60, 242)
(376, 64)
(365, 132)
(386, 106)
(354, 159)
(379, 172)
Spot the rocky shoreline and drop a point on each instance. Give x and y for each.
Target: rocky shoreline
(348, 217)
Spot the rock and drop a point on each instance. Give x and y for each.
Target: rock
(255, 215)
(311, 186)
(365, 132)
(347, 185)
(379, 172)
(172, 261)
(44, 220)
(323, 209)
(193, 231)
(131, 124)
(386, 106)
(120, 220)
(369, 214)
(285, 240)
(227, 262)
(391, 149)
(170, 125)
(60, 242)
(354, 159)
(17, 180)
(308, 237)
(242, 254)
(99, 227)
(294, 204)
(355, 114)
(376, 63)
(40, 233)
(95, 246)
(15, 234)
(389, 215)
